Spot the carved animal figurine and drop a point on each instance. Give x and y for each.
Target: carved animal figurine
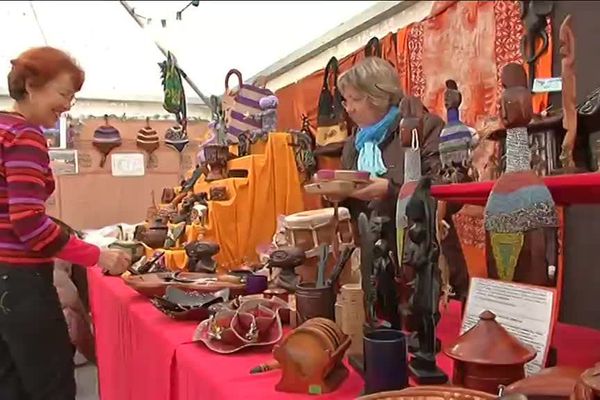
(287, 259)
(200, 256)
(534, 15)
(455, 139)
(569, 100)
(218, 193)
(520, 215)
(422, 254)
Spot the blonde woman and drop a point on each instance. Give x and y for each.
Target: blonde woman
(372, 93)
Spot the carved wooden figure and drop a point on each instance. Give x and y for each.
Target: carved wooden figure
(534, 15)
(569, 100)
(422, 254)
(520, 215)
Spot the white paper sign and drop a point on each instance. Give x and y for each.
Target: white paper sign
(524, 311)
(64, 162)
(545, 85)
(127, 164)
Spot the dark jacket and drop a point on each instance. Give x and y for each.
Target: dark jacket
(393, 158)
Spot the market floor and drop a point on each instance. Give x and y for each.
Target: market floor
(86, 377)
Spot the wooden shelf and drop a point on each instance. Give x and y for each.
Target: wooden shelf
(565, 189)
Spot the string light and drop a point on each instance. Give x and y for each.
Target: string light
(163, 21)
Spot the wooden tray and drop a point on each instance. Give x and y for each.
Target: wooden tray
(324, 175)
(332, 189)
(151, 285)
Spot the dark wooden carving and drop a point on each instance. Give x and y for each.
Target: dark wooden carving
(534, 15)
(569, 99)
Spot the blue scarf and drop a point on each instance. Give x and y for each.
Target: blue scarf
(367, 143)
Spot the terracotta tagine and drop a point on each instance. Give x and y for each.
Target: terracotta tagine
(487, 356)
(155, 234)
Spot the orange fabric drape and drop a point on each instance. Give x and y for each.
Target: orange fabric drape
(249, 217)
(455, 42)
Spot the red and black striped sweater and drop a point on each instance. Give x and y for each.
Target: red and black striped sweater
(27, 235)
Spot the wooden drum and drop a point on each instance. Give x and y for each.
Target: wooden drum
(310, 229)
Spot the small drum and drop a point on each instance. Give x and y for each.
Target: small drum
(309, 229)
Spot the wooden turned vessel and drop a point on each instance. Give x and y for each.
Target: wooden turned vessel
(487, 356)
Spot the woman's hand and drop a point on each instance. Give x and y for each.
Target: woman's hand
(113, 261)
(377, 189)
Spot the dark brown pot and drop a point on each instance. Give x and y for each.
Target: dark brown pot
(155, 235)
(314, 302)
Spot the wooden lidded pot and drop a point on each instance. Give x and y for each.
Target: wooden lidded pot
(487, 356)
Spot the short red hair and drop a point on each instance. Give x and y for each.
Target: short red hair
(40, 65)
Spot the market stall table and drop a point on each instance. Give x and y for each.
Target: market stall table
(143, 354)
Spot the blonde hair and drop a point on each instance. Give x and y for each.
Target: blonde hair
(377, 79)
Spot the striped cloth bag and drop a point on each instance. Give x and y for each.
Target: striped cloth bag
(241, 106)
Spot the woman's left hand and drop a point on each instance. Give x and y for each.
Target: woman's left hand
(377, 189)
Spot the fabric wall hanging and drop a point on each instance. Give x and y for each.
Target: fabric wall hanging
(106, 139)
(241, 106)
(331, 122)
(147, 140)
(174, 93)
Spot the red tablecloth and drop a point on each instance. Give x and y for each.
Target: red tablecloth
(143, 354)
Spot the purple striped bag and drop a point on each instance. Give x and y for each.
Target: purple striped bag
(241, 105)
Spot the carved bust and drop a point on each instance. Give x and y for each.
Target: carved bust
(515, 104)
(452, 96)
(412, 113)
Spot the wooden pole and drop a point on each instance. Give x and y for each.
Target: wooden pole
(165, 52)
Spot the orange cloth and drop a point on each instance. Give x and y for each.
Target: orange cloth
(249, 217)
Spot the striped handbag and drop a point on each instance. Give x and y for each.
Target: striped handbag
(241, 106)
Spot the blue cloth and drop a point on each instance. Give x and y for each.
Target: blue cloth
(367, 144)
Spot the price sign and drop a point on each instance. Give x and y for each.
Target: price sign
(127, 164)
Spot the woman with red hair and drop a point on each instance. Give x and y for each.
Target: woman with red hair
(36, 354)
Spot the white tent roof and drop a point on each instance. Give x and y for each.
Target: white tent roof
(120, 59)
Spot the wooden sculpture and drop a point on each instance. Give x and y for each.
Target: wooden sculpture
(310, 358)
(303, 142)
(520, 215)
(534, 15)
(422, 254)
(200, 256)
(455, 139)
(569, 100)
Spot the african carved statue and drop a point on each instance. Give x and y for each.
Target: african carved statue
(520, 215)
(422, 254)
(200, 256)
(534, 15)
(569, 100)
(455, 139)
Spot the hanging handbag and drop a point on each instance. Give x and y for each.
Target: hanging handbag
(332, 130)
(241, 107)
(373, 48)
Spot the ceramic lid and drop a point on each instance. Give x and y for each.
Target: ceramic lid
(489, 343)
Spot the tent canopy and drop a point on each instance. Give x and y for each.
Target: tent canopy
(120, 59)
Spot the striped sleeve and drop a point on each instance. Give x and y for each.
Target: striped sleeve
(26, 164)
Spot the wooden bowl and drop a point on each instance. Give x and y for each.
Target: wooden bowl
(431, 393)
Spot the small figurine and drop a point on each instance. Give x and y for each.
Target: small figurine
(268, 115)
(456, 139)
(200, 256)
(422, 254)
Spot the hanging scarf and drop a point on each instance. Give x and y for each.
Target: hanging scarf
(367, 143)
(174, 93)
